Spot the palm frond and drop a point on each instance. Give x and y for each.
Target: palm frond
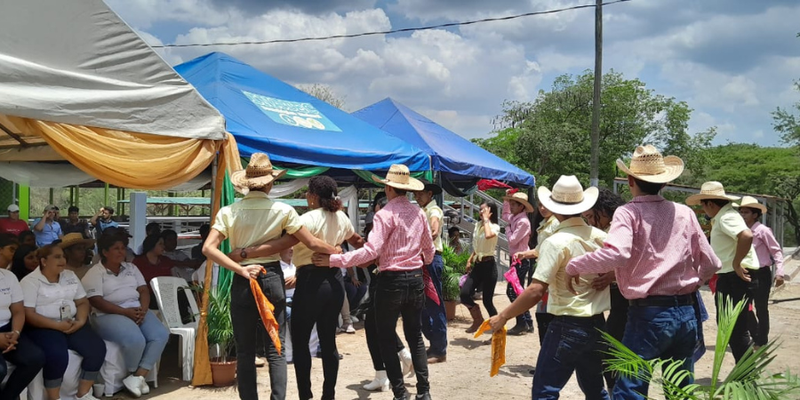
(728, 314)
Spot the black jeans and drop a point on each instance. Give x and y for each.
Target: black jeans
(371, 327)
(401, 294)
(483, 274)
(246, 322)
(759, 327)
(522, 271)
(317, 299)
(28, 360)
(734, 289)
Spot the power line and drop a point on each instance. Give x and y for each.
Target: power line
(421, 28)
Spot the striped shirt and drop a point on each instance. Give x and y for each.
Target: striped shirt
(518, 231)
(400, 239)
(767, 248)
(656, 247)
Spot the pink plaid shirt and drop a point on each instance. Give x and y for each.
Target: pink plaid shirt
(400, 239)
(656, 247)
(767, 248)
(518, 231)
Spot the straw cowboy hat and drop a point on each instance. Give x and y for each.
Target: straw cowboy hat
(431, 187)
(568, 196)
(259, 173)
(647, 164)
(520, 198)
(709, 191)
(72, 239)
(399, 177)
(751, 202)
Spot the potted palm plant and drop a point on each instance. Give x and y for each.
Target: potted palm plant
(747, 380)
(455, 265)
(220, 338)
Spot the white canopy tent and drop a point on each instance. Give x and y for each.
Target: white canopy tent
(78, 85)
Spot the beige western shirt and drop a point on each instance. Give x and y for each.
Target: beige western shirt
(572, 238)
(255, 220)
(725, 227)
(331, 228)
(480, 245)
(433, 211)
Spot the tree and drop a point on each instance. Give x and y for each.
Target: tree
(550, 136)
(324, 93)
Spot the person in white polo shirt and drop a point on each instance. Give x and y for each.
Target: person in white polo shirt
(120, 297)
(57, 311)
(18, 350)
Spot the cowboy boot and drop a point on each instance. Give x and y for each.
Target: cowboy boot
(477, 319)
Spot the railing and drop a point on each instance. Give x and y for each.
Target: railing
(468, 209)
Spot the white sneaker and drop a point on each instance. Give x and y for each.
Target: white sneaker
(349, 329)
(133, 385)
(143, 386)
(261, 361)
(405, 360)
(88, 396)
(380, 383)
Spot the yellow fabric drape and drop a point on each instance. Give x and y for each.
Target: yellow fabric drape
(228, 160)
(125, 159)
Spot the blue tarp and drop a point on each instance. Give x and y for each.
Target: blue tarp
(450, 153)
(293, 127)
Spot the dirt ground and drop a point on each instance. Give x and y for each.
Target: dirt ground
(465, 375)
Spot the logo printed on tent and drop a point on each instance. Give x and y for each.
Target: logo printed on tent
(292, 113)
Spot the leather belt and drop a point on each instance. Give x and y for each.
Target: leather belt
(485, 259)
(664, 301)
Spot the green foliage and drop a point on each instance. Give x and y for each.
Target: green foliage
(551, 135)
(220, 327)
(747, 380)
(787, 123)
(455, 265)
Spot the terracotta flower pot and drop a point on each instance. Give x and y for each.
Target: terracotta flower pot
(450, 309)
(223, 373)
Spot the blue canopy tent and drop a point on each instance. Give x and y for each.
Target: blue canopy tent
(267, 115)
(458, 160)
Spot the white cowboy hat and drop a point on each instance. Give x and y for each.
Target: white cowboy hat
(72, 239)
(647, 164)
(568, 196)
(751, 202)
(400, 177)
(259, 173)
(521, 198)
(709, 191)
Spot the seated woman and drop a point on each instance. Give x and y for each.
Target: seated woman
(57, 310)
(20, 351)
(8, 245)
(152, 262)
(120, 297)
(75, 246)
(24, 261)
(27, 237)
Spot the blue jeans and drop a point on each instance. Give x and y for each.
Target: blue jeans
(56, 345)
(141, 345)
(27, 359)
(657, 332)
(572, 344)
(434, 320)
(523, 269)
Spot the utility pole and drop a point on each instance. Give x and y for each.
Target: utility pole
(594, 163)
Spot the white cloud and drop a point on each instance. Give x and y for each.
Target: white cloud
(732, 63)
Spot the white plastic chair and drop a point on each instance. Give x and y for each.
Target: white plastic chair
(166, 289)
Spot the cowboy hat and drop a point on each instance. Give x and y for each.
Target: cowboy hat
(72, 239)
(709, 191)
(751, 202)
(647, 164)
(521, 198)
(431, 187)
(568, 196)
(399, 177)
(259, 173)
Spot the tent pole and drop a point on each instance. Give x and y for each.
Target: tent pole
(105, 195)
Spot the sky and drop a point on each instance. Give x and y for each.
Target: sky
(733, 62)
